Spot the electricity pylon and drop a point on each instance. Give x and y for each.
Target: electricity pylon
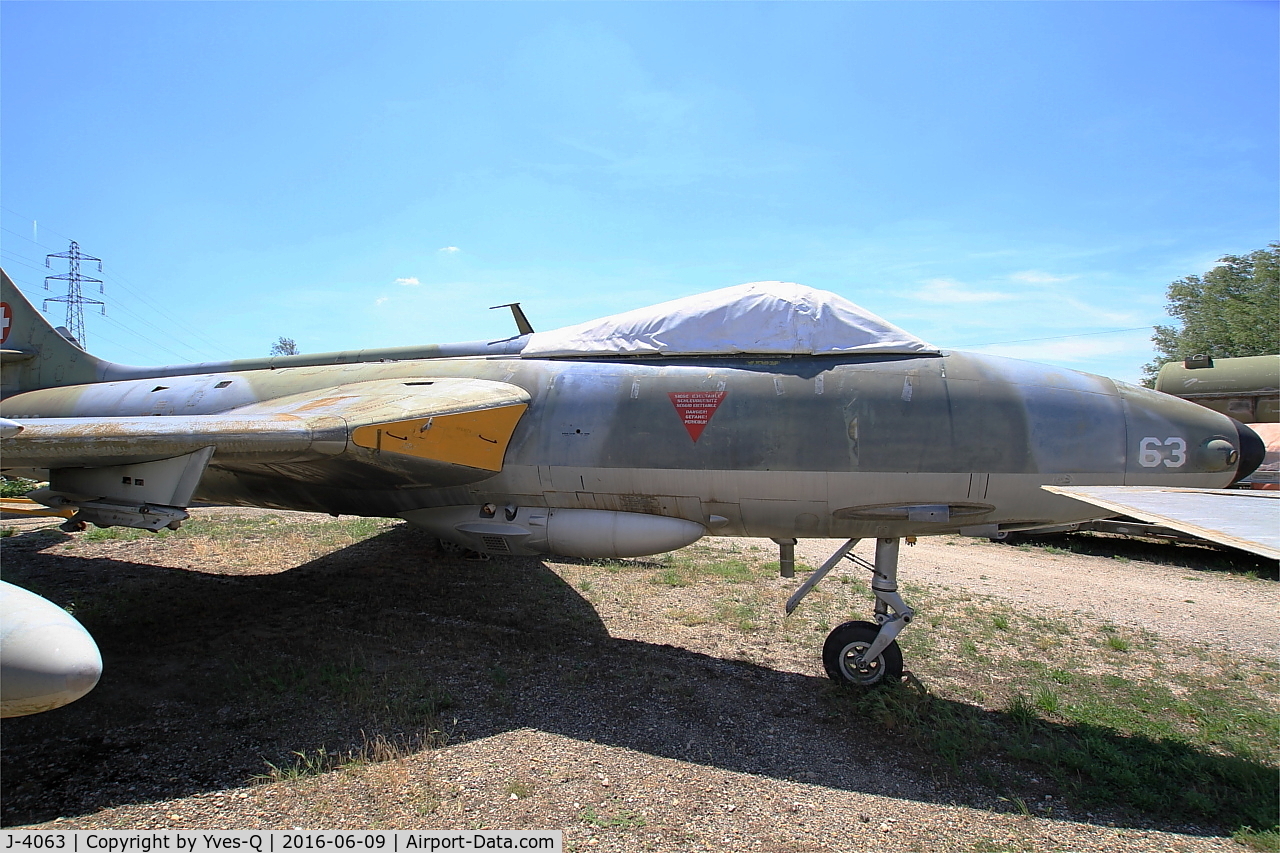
(74, 299)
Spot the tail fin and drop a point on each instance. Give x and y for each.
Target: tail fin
(33, 354)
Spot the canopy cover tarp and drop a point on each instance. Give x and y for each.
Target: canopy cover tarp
(764, 317)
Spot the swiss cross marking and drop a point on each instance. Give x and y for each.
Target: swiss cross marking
(696, 408)
(6, 320)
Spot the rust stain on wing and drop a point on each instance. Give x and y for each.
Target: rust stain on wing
(322, 403)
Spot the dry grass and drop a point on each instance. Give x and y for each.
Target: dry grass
(282, 648)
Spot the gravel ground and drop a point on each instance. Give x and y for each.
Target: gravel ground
(615, 799)
(1172, 600)
(580, 697)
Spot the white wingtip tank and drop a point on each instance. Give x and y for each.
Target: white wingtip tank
(47, 658)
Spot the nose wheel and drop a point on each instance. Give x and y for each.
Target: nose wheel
(844, 656)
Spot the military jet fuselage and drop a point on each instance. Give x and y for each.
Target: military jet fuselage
(525, 447)
(822, 446)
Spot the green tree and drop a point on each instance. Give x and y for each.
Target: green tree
(284, 346)
(1231, 311)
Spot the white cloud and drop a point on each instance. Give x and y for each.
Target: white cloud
(950, 290)
(408, 282)
(380, 300)
(1038, 277)
(1074, 349)
(449, 250)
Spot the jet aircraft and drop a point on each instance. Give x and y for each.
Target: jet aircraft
(767, 409)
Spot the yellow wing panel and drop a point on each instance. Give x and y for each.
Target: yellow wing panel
(477, 439)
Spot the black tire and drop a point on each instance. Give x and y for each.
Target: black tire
(850, 638)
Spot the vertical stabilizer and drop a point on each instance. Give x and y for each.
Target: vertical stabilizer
(33, 354)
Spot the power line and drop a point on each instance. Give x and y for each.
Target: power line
(22, 216)
(153, 342)
(22, 236)
(116, 278)
(144, 321)
(17, 259)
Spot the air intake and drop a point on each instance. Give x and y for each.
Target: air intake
(496, 544)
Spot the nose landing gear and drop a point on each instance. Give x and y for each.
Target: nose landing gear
(864, 654)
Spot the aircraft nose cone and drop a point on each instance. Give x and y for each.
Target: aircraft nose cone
(1252, 450)
(47, 658)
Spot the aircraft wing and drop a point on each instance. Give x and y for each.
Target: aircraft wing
(457, 421)
(1248, 520)
(56, 443)
(423, 432)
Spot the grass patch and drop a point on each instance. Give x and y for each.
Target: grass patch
(1117, 643)
(254, 538)
(743, 616)
(1121, 761)
(125, 534)
(734, 571)
(702, 563)
(518, 789)
(15, 487)
(1267, 840)
(671, 576)
(1108, 717)
(302, 766)
(688, 618)
(620, 819)
(395, 699)
(774, 569)
(326, 533)
(1046, 700)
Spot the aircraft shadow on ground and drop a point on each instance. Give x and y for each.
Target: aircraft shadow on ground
(209, 677)
(1193, 556)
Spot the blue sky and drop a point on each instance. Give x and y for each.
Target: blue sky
(1017, 178)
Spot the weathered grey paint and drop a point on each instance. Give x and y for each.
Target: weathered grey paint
(823, 446)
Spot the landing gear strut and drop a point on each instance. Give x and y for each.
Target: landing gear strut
(862, 653)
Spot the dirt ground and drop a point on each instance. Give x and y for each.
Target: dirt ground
(631, 712)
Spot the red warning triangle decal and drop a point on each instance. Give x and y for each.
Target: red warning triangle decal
(696, 408)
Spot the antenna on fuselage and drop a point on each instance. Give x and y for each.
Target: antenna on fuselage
(522, 322)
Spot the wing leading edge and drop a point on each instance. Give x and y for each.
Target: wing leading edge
(1234, 517)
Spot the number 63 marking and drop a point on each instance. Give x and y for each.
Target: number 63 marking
(1172, 452)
